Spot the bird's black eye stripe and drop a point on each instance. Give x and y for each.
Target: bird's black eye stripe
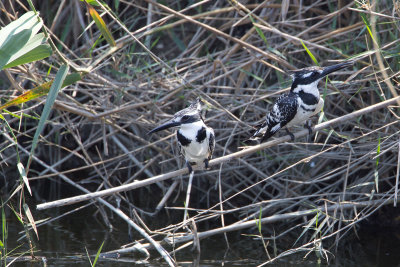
(185, 118)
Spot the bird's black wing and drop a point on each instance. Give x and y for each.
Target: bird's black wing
(182, 141)
(282, 112)
(180, 151)
(211, 144)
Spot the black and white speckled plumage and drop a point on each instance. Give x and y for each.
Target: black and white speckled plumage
(282, 112)
(297, 106)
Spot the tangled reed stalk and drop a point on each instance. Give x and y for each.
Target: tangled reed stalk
(234, 56)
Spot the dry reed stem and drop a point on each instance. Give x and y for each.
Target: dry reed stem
(281, 217)
(216, 161)
(164, 254)
(97, 134)
(244, 44)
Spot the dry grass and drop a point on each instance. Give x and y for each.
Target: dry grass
(311, 193)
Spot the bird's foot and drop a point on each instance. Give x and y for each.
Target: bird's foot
(310, 130)
(308, 127)
(189, 166)
(206, 165)
(290, 134)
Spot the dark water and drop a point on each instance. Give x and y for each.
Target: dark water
(63, 243)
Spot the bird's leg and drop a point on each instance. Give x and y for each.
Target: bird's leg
(189, 166)
(307, 125)
(206, 163)
(290, 134)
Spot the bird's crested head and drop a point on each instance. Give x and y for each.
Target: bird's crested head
(188, 115)
(312, 75)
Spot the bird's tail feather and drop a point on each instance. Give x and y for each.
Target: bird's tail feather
(270, 132)
(256, 136)
(264, 132)
(266, 136)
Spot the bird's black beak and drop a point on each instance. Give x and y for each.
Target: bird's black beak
(333, 68)
(164, 126)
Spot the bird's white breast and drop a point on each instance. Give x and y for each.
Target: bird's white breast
(195, 151)
(304, 111)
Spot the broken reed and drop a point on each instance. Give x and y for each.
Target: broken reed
(97, 139)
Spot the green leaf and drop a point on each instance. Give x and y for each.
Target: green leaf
(71, 79)
(40, 52)
(366, 22)
(98, 254)
(259, 31)
(4, 232)
(154, 42)
(308, 226)
(40, 90)
(18, 216)
(28, 21)
(34, 42)
(309, 53)
(92, 2)
(20, 37)
(29, 95)
(22, 172)
(101, 25)
(32, 6)
(30, 219)
(55, 87)
(258, 78)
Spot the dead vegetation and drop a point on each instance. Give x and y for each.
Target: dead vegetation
(234, 56)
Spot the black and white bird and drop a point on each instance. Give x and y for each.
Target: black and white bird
(196, 141)
(297, 106)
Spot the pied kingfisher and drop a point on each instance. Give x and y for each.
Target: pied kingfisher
(196, 141)
(297, 106)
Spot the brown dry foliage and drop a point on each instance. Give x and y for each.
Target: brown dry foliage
(97, 135)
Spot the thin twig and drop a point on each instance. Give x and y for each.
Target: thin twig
(189, 189)
(247, 151)
(281, 217)
(121, 214)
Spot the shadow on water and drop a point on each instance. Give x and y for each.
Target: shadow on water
(63, 243)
